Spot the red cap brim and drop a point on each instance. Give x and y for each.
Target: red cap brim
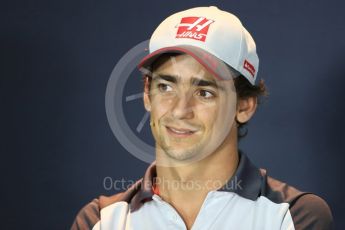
(213, 64)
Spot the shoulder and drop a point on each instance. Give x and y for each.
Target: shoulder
(310, 211)
(307, 210)
(89, 215)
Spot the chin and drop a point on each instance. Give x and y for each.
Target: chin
(178, 154)
(183, 155)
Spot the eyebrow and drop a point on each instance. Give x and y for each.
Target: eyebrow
(165, 77)
(202, 82)
(195, 81)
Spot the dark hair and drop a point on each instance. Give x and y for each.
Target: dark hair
(243, 87)
(245, 90)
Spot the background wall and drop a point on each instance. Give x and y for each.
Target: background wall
(56, 58)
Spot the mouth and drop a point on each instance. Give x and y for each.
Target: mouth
(180, 132)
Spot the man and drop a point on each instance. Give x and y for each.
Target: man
(199, 87)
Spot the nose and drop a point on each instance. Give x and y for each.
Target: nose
(183, 107)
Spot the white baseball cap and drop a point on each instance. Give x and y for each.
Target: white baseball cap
(215, 38)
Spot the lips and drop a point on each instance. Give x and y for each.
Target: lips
(180, 131)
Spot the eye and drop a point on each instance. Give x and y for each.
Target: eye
(164, 87)
(205, 94)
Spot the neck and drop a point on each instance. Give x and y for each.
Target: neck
(194, 180)
(185, 186)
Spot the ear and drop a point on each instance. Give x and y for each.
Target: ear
(147, 101)
(246, 108)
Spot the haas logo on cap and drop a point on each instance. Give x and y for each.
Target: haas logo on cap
(249, 67)
(194, 28)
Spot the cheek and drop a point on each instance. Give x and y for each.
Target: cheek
(225, 115)
(206, 114)
(216, 116)
(160, 107)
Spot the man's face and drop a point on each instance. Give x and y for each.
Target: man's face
(191, 111)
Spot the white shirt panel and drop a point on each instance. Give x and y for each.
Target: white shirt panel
(220, 210)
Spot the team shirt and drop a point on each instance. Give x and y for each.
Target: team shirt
(249, 200)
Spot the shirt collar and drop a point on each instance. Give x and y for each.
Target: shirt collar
(245, 182)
